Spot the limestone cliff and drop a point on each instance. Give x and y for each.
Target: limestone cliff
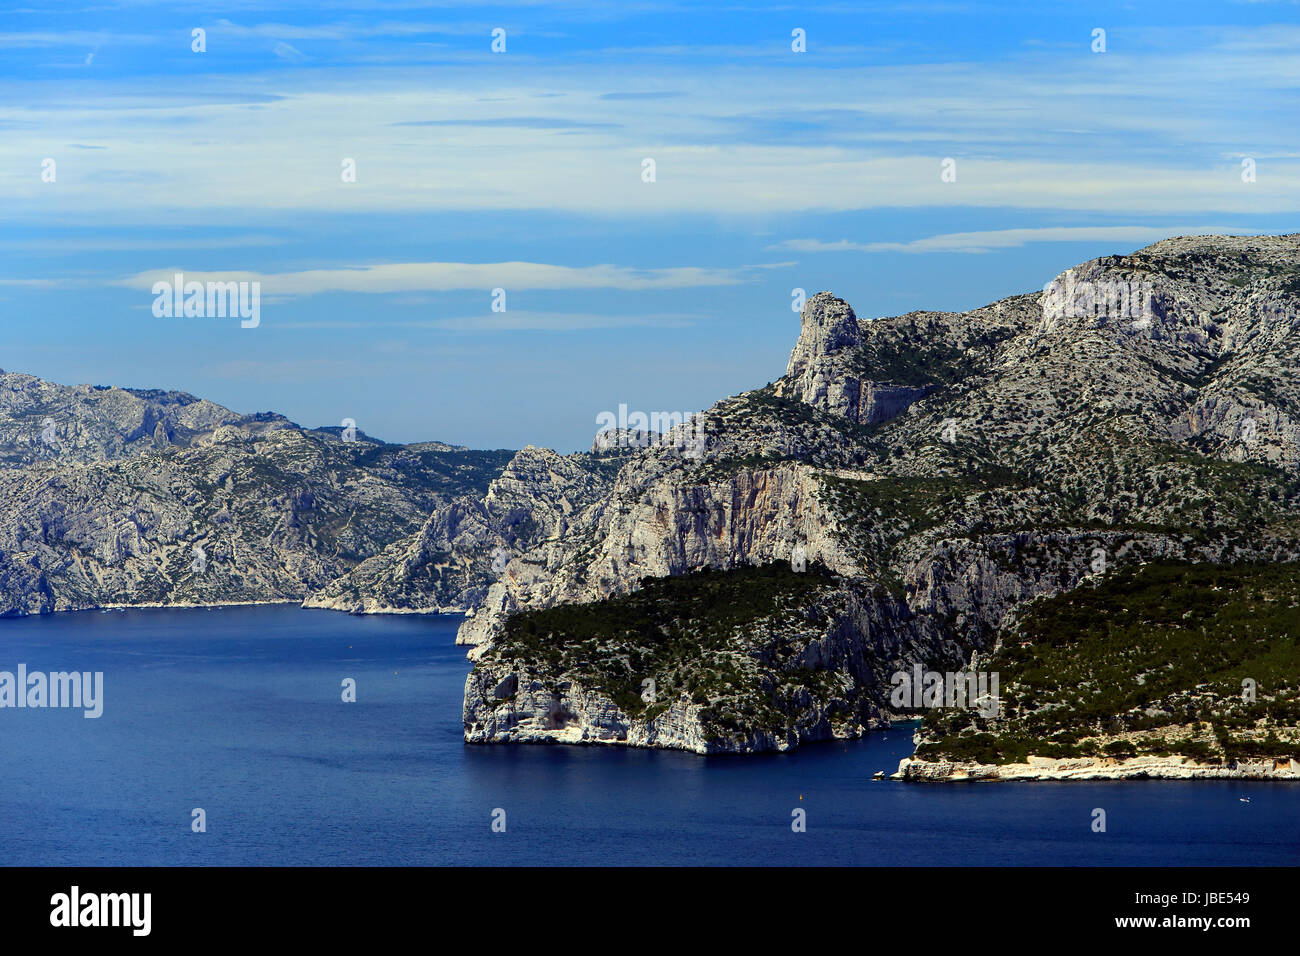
(465, 544)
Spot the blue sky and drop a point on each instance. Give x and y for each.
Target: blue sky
(522, 170)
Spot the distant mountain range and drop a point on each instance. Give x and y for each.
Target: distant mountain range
(914, 492)
(115, 497)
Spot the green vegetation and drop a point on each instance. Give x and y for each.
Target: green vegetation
(446, 473)
(1116, 479)
(1150, 661)
(724, 639)
(877, 515)
(785, 429)
(919, 357)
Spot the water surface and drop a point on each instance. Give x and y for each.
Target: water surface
(238, 711)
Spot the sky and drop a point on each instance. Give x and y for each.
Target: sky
(128, 155)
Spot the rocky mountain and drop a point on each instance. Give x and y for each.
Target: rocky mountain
(941, 471)
(237, 517)
(113, 496)
(914, 492)
(44, 422)
(469, 541)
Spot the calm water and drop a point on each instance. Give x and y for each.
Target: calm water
(238, 711)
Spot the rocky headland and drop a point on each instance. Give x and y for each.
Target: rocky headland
(942, 472)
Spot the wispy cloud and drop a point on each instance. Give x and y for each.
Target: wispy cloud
(521, 320)
(647, 95)
(992, 239)
(449, 276)
(77, 38)
(512, 320)
(287, 51)
(66, 244)
(345, 30)
(521, 122)
(1043, 131)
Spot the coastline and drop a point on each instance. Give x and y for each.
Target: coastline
(196, 605)
(912, 770)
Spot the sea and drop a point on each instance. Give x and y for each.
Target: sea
(225, 739)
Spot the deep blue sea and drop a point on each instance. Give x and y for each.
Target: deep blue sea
(238, 711)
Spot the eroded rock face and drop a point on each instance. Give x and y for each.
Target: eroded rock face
(621, 439)
(569, 714)
(818, 371)
(1097, 768)
(824, 369)
(662, 528)
(950, 467)
(449, 563)
(509, 699)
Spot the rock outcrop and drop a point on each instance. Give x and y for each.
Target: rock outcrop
(825, 368)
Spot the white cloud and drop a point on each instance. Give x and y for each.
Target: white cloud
(1043, 131)
(510, 321)
(35, 39)
(521, 320)
(988, 240)
(105, 243)
(344, 31)
(287, 51)
(449, 276)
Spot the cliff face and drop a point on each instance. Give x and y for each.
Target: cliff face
(946, 468)
(762, 658)
(464, 545)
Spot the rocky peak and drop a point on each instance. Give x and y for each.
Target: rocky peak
(1206, 292)
(825, 367)
(530, 468)
(819, 372)
(827, 325)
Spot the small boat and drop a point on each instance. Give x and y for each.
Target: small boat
(1244, 799)
(878, 775)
